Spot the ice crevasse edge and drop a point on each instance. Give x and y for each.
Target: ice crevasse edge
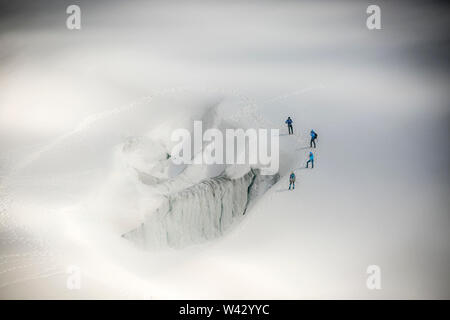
(201, 212)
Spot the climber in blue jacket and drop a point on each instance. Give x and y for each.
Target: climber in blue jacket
(311, 159)
(292, 181)
(289, 123)
(313, 139)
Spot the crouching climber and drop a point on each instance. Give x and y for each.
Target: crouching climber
(292, 181)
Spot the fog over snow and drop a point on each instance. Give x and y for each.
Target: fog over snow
(86, 182)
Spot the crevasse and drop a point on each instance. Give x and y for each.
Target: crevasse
(201, 212)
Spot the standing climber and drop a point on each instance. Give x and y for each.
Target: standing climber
(311, 159)
(313, 139)
(292, 181)
(289, 123)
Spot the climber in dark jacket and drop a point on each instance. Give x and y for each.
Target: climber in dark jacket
(313, 139)
(292, 181)
(289, 123)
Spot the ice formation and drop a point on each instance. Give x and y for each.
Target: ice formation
(201, 212)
